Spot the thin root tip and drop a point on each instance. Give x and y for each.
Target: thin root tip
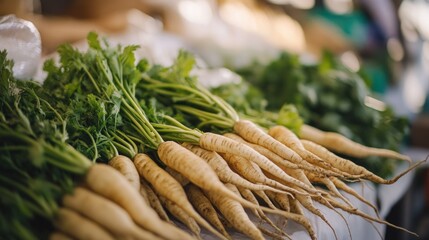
(426, 159)
(408, 159)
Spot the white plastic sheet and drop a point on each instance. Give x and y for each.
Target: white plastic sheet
(22, 41)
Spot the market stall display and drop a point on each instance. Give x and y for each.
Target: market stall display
(103, 102)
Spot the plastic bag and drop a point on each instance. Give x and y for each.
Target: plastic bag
(22, 41)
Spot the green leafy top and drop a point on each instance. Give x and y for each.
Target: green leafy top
(174, 86)
(110, 75)
(251, 104)
(36, 163)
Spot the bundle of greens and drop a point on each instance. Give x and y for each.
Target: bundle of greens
(37, 166)
(330, 97)
(41, 177)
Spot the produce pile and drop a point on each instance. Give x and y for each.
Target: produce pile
(328, 96)
(113, 148)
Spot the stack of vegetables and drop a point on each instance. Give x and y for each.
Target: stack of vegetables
(329, 96)
(179, 152)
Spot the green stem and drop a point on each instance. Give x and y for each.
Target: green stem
(148, 131)
(125, 145)
(134, 139)
(67, 159)
(124, 149)
(94, 145)
(13, 148)
(206, 115)
(5, 193)
(10, 134)
(220, 124)
(115, 150)
(230, 111)
(24, 120)
(72, 169)
(168, 132)
(141, 130)
(141, 114)
(129, 141)
(171, 94)
(202, 106)
(158, 84)
(94, 83)
(45, 210)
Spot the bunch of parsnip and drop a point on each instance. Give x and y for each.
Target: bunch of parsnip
(46, 182)
(183, 150)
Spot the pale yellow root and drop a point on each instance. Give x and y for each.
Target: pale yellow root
(226, 145)
(109, 183)
(342, 186)
(253, 173)
(288, 215)
(331, 186)
(223, 171)
(168, 187)
(59, 236)
(188, 164)
(154, 201)
(290, 168)
(235, 214)
(182, 216)
(105, 213)
(79, 227)
(278, 158)
(288, 138)
(126, 167)
(308, 204)
(248, 195)
(347, 165)
(144, 195)
(253, 134)
(296, 214)
(295, 206)
(179, 177)
(266, 199)
(273, 235)
(279, 161)
(336, 161)
(340, 144)
(203, 205)
(281, 199)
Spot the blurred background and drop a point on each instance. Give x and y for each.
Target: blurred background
(388, 40)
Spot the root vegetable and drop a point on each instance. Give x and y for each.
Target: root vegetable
(168, 187)
(205, 208)
(341, 144)
(59, 236)
(109, 183)
(235, 214)
(126, 167)
(220, 166)
(79, 227)
(225, 145)
(346, 165)
(105, 213)
(253, 173)
(154, 201)
(182, 216)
